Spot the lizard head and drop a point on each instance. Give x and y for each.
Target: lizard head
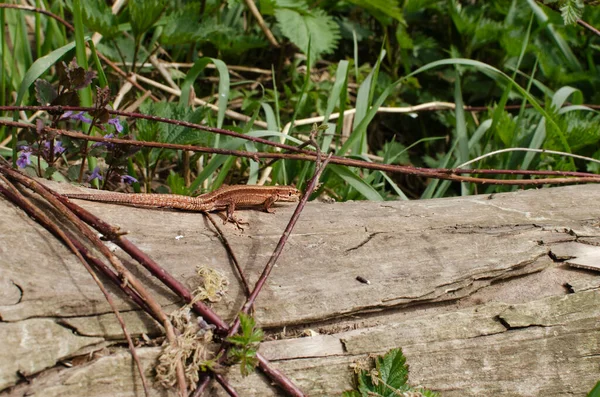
(289, 193)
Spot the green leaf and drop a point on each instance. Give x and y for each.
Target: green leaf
(392, 369)
(144, 13)
(98, 17)
(187, 26)
(356, 182)
(315, 27)
(571, 11)
(461, 130)
(177, 184)
(561, 96)
(247, 324)
(386, 7)
(595, 392)
(562, 44)
(45, 92)
(40, 66)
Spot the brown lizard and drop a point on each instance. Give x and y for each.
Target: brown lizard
(224, 198)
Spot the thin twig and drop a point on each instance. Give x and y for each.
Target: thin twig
(289, 387)
(18, 199)
(199, 308)
(261, 22)
(154, 268)
(588, 27)
(441, 173)
(231, 254)
(282, 241)
(123, 272)
(521, 149)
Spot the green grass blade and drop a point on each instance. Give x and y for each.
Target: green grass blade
(431, 190)
(356, 182)
(536, 142)
(223, 90)
(224, 86)
(39, 67)
(394, 186)
(102, 81)
(492, 71)
(595, 392)
(270, 116)
(563, 93)
(355, 42)
(341, 76)
(543, 19)
(276, 98)
(461, 130)
(85, 94)
(191, 76)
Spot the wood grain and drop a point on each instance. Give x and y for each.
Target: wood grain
(466, 286)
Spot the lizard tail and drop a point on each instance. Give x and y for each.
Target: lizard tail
(140, 200)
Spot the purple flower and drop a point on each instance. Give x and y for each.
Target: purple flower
(24, 160)
(58, 147)
(95, 175)
(107, 145)
(115, 122)
(128, 179)
(79, 116)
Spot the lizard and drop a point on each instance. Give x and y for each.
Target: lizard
(224, 198)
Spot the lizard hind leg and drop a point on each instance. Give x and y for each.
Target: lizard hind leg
(268, 203)
(230, 217)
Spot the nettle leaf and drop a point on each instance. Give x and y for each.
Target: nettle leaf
(298, 5)
(144, 13)
(302, 27)
(98, 17)
(388, 378)
(571, 11)
(172, 133)
(238, 43)
(45, 92)
(385, 7)
(392, 369)
(247, 324)
(176, 184)
(187, 26)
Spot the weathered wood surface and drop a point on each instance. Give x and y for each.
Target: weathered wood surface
(482, 294)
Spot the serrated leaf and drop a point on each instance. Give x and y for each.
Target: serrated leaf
(144, 13)
(392, 368)
(69, 98)
(45, 92)
(385, 7)
(247, 324)
(98, 17)
(571, 11)
(186, 26)
(172, 133)
(315, 27)
(176, 184)
(298, 5)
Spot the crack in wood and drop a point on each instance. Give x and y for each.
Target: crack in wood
(365, 241)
